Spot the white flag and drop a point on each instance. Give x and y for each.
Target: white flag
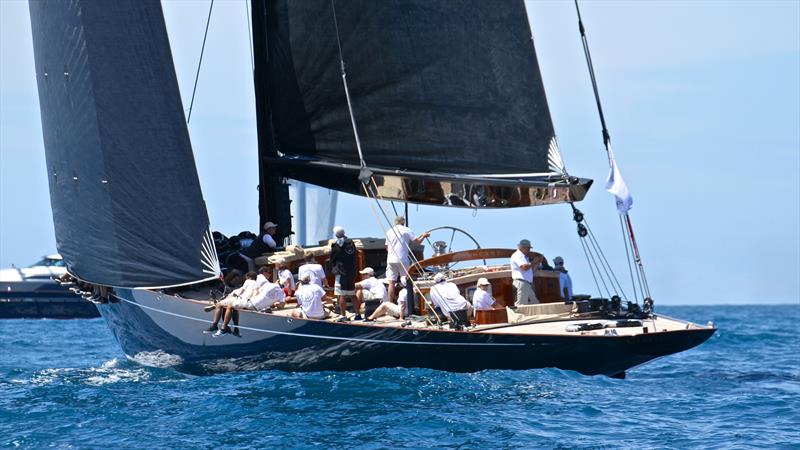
(616, 185)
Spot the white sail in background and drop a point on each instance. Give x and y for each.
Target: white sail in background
(313, 212)
(616, 185)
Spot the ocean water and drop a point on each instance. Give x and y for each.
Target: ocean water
(66, 384)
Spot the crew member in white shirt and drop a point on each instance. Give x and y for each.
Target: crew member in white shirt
(369, 288)
(399, 239)
(387, 308)
(238, 299)
(522, 273)
(310, 297)
(447, 297)
(314, 269)
(285, 278)
(482, 299)
(564, 279)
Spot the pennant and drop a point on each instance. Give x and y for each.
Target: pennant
(616, 185)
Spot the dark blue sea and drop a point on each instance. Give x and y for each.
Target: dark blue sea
(66, 384)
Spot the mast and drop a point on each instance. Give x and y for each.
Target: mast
(273, 192)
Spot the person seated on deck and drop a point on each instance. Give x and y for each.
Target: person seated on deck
(448, 298)
(388, 308)
(264, 244)
(564, 279)
(285, 278)
(268, 295)
(482, 299)
(309, 300)
(314, 269)
(369, 288)
(238, 299)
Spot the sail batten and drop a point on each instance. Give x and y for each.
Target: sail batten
(436, 85)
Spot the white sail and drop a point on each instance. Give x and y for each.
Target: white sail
(313, 212)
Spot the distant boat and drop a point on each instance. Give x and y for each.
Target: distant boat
(30, 293)
(421, 101)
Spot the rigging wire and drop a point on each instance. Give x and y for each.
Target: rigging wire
(200, 63)
(250, 35)
(628, 259)
(605, 260)
(591, 268)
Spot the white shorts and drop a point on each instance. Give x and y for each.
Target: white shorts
(368, 295)
(392, 309)
(337, 288)
(236, 302)
(395, 270)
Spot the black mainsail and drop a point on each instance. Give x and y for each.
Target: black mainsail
(442, 91)
(126, 199)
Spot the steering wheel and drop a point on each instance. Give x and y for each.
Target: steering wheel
(443, 246)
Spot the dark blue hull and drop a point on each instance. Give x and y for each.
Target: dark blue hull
(159, 329)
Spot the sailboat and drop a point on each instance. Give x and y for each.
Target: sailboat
(420, 101)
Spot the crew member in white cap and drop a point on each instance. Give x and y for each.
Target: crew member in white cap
(369, 288)
(563, 278)
(482, 299)
(344, 265)
(522, 273)
(264, 244)
(399, 239)
(447, 297)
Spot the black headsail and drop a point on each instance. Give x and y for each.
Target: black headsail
(126, 199)
(447, 96)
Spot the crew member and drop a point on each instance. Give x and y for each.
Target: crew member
(522, 273)
(314, 269)
(447, 297)
(310, 298)
(344, 264)
(563, 278)
(399, 239)
(482, 299)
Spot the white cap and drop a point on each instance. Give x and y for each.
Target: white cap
(337, 229)
(367, 271)
(558, 261)
(483, 282)
(269, 225)
(403, 280)
(439, 278)
(305, 277)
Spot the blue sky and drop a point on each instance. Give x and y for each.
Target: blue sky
(702, 100)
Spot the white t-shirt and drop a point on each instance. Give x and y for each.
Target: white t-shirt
(517, 259)
(316, 272)
(447, 296)
(268, 293)
(398, 238)
(261, 280)
(375, 286)
(309, 297)
(270, 241)
(482, 299)
(284, 275)
(402, 297)
(246, 290)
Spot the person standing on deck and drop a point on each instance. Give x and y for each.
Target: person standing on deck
(399, 239)
(314, 269)
(522, 274)
(565, 281)
(344, 264)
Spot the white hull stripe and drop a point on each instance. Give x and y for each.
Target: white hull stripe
(336, 338)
